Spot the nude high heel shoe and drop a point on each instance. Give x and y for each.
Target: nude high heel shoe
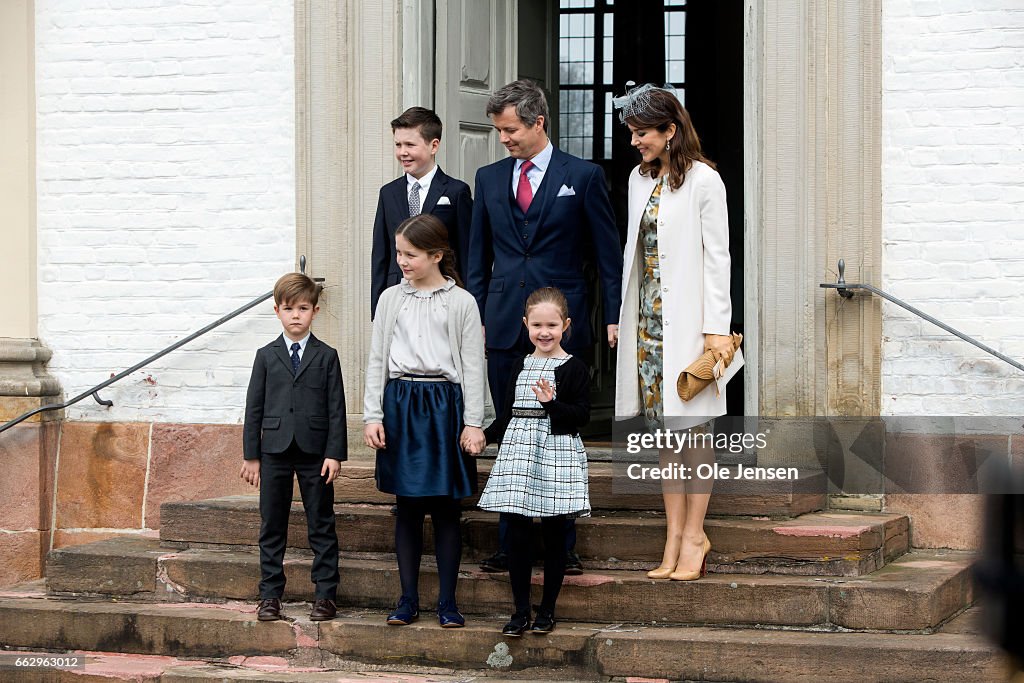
(661, 572)
(690, 576)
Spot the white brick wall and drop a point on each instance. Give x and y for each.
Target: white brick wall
(166, 194)
(953, 198)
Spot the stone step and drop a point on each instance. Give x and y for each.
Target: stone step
(104, 667)
(917, 592)
(824, 543)
(589, 651)
(776, 499)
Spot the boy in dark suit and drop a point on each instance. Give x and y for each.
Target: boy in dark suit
(424, 188)
(295, 427)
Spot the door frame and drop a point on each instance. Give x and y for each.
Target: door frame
(812, 119)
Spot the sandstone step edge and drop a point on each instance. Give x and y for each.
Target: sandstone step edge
(820, 543)
(687, 653)
(779, 499)
(104, 667)
(916, 593)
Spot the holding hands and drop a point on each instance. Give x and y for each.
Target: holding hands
(473, 440)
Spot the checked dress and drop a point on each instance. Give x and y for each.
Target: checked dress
(537, 473)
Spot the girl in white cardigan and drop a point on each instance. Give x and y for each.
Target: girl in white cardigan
(424, 406)
(675, 301)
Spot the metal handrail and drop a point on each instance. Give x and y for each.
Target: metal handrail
(94, 391)
(844, 290)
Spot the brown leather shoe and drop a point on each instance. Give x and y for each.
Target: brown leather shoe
(269, 609)
(323, 610)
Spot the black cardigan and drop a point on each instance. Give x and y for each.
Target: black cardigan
(569, 410)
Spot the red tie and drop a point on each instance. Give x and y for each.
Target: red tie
(524, 195)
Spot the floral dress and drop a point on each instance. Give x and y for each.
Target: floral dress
(650, 337)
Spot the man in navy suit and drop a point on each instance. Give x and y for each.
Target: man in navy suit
(534, 214)
(424, 188)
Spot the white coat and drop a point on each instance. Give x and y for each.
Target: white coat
(693, 253)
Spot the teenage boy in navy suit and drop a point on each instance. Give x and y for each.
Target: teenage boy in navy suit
(534, 214)
(295, 427)
(424, 188)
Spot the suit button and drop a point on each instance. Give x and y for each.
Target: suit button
(291, 410)
(524, 235)
(525, 223)
(522, 284)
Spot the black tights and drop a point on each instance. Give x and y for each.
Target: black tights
(445, 514)
(521, 543)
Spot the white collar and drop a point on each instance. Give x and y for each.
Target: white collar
(302, 342)
(541, 161)
(424, 182)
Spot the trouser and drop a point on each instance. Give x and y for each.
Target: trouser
(276, 475)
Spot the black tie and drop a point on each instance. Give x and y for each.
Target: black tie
(295, 357)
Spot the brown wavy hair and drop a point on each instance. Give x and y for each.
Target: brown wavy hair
(663, 110)
(426, 231)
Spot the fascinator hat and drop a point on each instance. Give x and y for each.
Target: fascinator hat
(637, 100)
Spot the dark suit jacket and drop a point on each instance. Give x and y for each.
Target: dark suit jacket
(393, 208)
(508, 259)
(308, 407)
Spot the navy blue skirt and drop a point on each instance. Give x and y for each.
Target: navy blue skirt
(422, 425)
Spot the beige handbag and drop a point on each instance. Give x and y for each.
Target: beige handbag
(701, 372)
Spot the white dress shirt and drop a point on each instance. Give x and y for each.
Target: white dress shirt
(302, 344)
(424, 184)
(536, 174)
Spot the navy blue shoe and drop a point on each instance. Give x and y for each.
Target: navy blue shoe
(448, 615)
(408, 611)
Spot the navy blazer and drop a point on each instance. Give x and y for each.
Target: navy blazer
(510, 257)
(393, 208)
(307, 407)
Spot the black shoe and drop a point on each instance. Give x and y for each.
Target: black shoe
(573, 566)
(269, 609)
(323, 610)
(408, 611)
(516, 626)
(498, 562)
(544, 623)
(448, 615)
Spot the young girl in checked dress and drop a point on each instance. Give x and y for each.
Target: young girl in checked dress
(541, 469)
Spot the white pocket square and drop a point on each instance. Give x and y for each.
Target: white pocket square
(444, 201)
(566, 191)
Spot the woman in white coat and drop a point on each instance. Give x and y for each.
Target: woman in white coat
(675, 301)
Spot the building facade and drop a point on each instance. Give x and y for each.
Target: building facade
(163, 162)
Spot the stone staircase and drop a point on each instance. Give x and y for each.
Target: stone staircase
(796, 594)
